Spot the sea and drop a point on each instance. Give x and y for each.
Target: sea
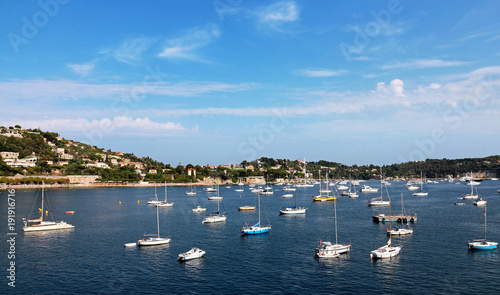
(92, 259)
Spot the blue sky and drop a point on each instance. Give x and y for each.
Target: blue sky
(215, 82)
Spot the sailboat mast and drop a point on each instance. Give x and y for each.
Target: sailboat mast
(484, 222)
(305, 177)
(258, 201)
(43, 186)
(335, 207)
(218, 210)
(158, 221)
(165, 192)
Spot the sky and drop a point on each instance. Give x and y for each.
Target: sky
(223, 81)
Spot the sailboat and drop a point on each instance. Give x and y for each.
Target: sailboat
(324, 198)
(294, 209)
(256, 229)
(305, 184)
(351, 193)
(327, 250)
(379, 201)
(215, 216)
(388, 250)
(400, 229)
(155, 200)
(164, 203)
(191, 192)
(240, 187)
(40, 225)
(152, 241)
(421, 192)
(216, 197)
(482, 244)
(472, 195)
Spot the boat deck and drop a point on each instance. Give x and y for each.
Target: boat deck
(400, 218)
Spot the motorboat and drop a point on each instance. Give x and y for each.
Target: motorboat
(199, 209)
(479, 202)
(191, 254)
(368, 189)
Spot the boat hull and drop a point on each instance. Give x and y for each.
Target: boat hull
(293, 211)
(255, 230)
(482, 245)
(327, 250)
(48, 226)
(385, 252)
(153, 242)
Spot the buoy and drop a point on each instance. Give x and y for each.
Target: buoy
(138, 201)
(46, 212)
(39, 209)
(120, 202)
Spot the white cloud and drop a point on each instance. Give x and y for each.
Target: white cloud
(130, 52)
(396, 88)
(284, 11)
(63, 89)
(318, 72)
(82, 69)
(424, 63)
(184, 47)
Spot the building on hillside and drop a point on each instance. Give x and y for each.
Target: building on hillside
(10, 132)
(152, 171)
(9, 155)
(62, 163)
(191, 172)
(66, 157)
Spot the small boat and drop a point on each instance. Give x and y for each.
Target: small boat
(153, 241)
(329, 250)
(210, 189)
(482, 244)
(377, 202)
(164, 203)
(324, 198)
(70, 212)
(479, 202)
(472, 196)
(191, 254)
(289, 189)
(155, 200)
(294, 209)
(191, 192)
(368, 189)
(388, 250)
(199, 209)
(421, 192)
(399, 230)
(215, 216)
(287, 196)
(246, 208)
(240, 188)
(256, 229)
(42, 225)
(412, 188)
(459, 204)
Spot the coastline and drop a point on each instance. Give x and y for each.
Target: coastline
(97, 185)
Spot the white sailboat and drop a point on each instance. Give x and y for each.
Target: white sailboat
(472, 196)
(215, 216)
(155, 200)
(164, 203)
(42, 225)
(379, 201)
(400, 229)
(256, 229)
(329, 250)
(305, 184)
(421, 192)
(482, 244)
(153, 241)
(294, 209)
(388, 250)
(191, 192)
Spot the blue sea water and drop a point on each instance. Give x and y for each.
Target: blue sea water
(91, 257)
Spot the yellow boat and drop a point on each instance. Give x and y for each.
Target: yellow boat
(324, 198)
(246, 208)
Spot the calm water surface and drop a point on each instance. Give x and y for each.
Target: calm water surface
(91, 258)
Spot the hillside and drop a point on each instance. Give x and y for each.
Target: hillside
(33, 152)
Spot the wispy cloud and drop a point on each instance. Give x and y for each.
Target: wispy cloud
(276, 15)
(424, 63)
(130, 52)
(63, 89)
(185, 47)
(82, 69)
(318, 72)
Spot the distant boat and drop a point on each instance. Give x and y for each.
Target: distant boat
(164, 203)
(191, 254)
(216, 216)
(388, 250)
(324, 198)
(400, 229)
(191, 192)
(199, 209)
(152, 241)
(210, 189)
(294, 209)
(421, 192)
(289, 189)
(42, 225)
(379, 201)
(472, 195)
(305, 184)
(155, 200)
(246, 208)
(479, 202)
(240, 188)
(368, 189)
(482, 244)
(287, 196)
(329, 250)
(256, 229)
